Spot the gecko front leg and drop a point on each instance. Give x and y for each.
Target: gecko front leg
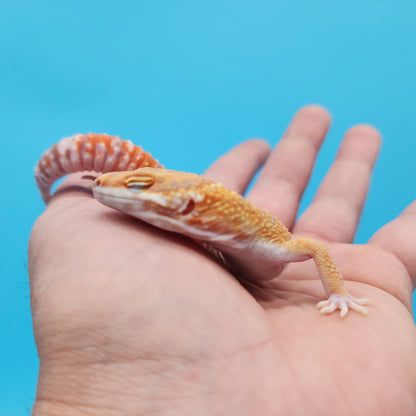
(299, 249)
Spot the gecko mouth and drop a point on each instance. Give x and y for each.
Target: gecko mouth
(102, 194)
(126, 200)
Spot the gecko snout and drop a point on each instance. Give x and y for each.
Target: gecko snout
(108, 180)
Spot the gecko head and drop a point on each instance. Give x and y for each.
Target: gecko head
(167, 199)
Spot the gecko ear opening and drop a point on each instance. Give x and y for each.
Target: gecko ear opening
(189, 207)
(139, 183)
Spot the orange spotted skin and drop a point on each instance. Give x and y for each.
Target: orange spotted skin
(89, 152)
(248, 240)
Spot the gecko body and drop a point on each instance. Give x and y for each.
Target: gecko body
(249, 240)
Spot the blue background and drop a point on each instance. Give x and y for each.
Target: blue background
(188, 80)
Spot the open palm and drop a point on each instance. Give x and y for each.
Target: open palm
(132, 320)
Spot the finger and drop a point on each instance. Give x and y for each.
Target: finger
(286, 173)
(399, 238)
(74, 185)
(236, 169)
(335, 212)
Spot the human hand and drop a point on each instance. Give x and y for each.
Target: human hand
(129, 319)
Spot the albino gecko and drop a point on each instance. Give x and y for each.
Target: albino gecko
(249, 240)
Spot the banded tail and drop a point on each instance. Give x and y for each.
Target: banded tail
(89, 152)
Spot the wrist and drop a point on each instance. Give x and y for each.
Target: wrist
(149, 386)
(89, 382)
(141, 387)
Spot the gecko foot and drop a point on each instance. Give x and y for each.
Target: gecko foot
(343, 303)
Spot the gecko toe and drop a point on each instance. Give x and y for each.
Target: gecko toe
(344, 303)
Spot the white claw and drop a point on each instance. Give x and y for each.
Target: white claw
(344, 303)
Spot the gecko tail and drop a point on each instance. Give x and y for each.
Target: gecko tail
(89, 152)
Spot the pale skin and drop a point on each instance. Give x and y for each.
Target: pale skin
(132, 320)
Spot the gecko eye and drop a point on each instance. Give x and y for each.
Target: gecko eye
(139, 183)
